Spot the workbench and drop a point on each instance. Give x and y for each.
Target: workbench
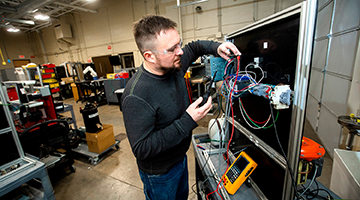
(111, 86)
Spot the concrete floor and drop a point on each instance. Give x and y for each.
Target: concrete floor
(116, 176)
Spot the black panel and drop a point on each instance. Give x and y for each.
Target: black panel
(278, 62)
(4, 123)
(60, 72)
(8, 149)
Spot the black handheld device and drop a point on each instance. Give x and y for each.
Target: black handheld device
(207, 92)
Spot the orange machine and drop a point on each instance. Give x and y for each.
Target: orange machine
(311, 154)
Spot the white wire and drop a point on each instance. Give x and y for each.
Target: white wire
(242, 113)
(262, 71)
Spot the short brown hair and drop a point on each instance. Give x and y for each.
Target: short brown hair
(148, 28)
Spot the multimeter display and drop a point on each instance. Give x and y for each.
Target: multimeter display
(238, 172)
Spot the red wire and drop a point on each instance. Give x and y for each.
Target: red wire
(188, 86)
(217, 187)
(250, 117)
(191, 98)
(232, 131)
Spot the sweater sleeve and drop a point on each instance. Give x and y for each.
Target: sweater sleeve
(140, 122)
(195, 49)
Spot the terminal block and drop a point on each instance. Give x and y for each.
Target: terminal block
(280, 97)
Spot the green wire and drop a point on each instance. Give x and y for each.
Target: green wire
(242, 107)
(277, 115)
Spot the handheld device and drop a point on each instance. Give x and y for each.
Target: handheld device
(208, 90)
(238, 172)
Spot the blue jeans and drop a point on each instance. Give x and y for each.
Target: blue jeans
(172, 185)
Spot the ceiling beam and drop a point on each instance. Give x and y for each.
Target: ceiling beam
(75, 7)
(7, 9)
(29, 22)
(28, 6)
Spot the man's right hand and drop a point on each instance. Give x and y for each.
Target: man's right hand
(196, 112)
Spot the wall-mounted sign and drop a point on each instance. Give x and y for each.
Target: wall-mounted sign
(109, 47)
(32, 56)
(21, 56)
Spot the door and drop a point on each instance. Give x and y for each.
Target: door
(102, 65)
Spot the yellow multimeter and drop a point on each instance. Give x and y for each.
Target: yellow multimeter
(238, 172)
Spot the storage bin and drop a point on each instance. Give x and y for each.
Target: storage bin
(48, 71)
(54, 85)
(51, 80)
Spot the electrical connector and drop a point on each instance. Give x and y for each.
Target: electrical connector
(281, 96)
(257, 61)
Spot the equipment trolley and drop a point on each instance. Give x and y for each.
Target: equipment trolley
(94, 158)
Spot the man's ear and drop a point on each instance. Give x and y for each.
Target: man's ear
(149, 56)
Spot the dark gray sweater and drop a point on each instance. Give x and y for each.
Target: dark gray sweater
(157, 125)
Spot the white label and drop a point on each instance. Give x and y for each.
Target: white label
(93, 115)
(265, 45)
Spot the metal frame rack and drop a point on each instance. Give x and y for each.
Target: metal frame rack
(22, 169)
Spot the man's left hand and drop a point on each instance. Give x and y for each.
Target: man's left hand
(224, 50)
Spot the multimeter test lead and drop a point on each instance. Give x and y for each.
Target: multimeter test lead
(200, 147)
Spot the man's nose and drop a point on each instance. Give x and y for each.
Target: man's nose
(180, 52)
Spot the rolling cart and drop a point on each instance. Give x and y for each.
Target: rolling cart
(94, 158)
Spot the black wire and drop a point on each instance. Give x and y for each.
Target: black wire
(331, 197)
(207, 160)
(311, 193)
(192, 188)
(220, 103)
(282, 150)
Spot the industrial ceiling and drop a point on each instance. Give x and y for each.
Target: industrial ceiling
(20, 14)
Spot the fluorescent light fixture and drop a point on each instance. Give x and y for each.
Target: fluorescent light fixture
(34, 11)
(12, 29)
(41, 17)
(187, 4)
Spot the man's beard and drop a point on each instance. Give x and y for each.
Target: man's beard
(172, 69)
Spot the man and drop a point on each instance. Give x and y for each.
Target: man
(157, 113)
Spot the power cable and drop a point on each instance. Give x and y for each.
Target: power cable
(282, 150)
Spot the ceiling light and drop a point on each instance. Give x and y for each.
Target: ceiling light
(41, 17)
(12, 29)
(34, 10)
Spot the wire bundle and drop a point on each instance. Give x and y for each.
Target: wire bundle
(230, 91)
